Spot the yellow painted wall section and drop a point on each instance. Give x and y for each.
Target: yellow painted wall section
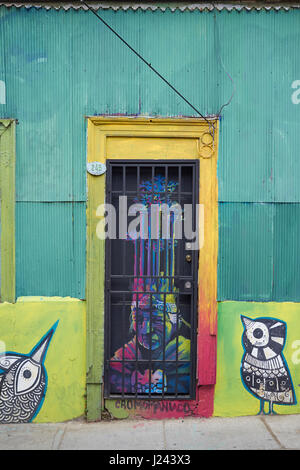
(24, 324)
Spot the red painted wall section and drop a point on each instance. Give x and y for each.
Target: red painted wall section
(206, 342)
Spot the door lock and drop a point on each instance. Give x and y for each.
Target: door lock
(188, 258)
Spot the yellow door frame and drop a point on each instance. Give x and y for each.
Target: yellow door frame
(124, 138)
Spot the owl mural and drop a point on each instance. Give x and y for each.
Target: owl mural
(23, 382)
(264, 371)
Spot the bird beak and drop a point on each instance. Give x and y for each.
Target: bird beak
(39, 352)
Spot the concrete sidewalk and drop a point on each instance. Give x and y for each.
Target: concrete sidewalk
(252, 432)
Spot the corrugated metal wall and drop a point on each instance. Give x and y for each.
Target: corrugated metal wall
(59, 66)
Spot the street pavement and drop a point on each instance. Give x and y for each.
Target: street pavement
(241, 433)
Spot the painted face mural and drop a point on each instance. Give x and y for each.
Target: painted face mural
(152, 325)
(155, 356)
(264, 370)
(23, 382)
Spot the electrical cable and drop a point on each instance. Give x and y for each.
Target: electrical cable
(217, 40)
(148, 64)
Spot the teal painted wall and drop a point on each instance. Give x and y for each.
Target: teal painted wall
(259, 251)
(60, 66)
(51, 244)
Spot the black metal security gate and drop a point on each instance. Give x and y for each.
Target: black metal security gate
(151, 279)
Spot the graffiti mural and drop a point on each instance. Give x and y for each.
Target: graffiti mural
(23, 382)
(163, 343)
(155, 357)
(264, 370)
(156, 406)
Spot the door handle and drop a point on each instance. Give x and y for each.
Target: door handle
(188, 258)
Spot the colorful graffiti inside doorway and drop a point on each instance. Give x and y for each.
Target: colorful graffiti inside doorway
(154, 358)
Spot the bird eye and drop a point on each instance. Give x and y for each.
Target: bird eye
(257, 333)
(27, 376)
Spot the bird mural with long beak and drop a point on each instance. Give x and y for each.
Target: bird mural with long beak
(23, 382)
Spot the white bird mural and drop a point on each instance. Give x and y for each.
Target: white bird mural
(23, 382)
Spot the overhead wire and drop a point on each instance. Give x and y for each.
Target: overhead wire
(211, 125)
(217, 44)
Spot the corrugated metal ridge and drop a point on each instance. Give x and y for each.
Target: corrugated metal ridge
(182, 6)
